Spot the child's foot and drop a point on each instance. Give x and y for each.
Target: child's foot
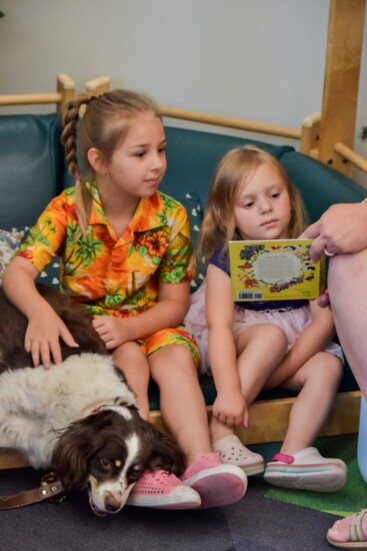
(233, 452)
(306, 470)
(350, 532)
(216, 483)
(161, 490)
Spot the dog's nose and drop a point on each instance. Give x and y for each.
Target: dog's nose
(112, 504)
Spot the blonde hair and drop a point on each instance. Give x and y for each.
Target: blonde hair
(235, 168)
(101, 122)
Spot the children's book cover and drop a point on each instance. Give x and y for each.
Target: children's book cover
(275, 270)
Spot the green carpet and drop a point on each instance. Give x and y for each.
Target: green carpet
(350, 499)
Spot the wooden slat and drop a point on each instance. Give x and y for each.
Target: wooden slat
(29, 99)
(231, 122)
(352, 156)
(65, 92)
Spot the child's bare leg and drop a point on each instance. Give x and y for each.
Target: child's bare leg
(183, 409)
(318, 381)
(181, 399)
(298, 465)
(260, 349)
(132, 361)
(255, 364)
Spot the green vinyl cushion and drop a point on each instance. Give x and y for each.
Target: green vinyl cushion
(33, 171)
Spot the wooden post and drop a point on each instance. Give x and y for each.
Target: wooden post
(66, 89)
(98, 86)
(310, 135)
(342, 68)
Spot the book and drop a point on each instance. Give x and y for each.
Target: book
(275, 270)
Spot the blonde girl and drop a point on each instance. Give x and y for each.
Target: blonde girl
(126, 255)
(252, 346)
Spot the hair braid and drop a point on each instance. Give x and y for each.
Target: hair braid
(70, 119)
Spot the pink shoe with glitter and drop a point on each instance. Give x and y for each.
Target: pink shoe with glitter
(161, 490)
(217, 483)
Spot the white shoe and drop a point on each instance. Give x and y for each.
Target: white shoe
(233, 452)
(306, 470)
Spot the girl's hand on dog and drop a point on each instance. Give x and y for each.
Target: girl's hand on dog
(230, 408)
(111, 330)
(42, 338)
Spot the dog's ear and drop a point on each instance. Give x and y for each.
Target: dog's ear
(71, 455)
(165, 453)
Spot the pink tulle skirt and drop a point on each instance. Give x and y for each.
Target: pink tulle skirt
(292, 322)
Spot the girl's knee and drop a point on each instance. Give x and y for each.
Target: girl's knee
(335, 368)
(127, 349)
(276, 337)
(328, 370)
(170, 359)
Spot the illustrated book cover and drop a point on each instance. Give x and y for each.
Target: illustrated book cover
(275, 270)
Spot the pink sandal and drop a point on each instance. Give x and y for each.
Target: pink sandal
(217, 483)
(350, 530)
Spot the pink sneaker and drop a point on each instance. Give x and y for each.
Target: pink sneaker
(161, 490)
(217, 483)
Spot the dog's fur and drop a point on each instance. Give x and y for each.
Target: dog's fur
(13, 326)
(79, 417)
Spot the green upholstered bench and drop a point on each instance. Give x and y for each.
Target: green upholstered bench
(32, 171)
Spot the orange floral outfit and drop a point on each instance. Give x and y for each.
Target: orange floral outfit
(111, 275)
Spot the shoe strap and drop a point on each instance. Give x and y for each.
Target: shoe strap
(355, 528)
(285, 458)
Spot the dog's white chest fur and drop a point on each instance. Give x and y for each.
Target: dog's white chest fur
(36, 403)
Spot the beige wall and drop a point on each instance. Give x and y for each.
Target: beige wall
(257, 59)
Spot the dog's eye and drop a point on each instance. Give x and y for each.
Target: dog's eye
(106, 464)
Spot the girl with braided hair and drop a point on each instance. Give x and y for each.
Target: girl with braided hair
(127, 257)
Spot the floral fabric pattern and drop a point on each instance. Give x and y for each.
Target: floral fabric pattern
(114, 275)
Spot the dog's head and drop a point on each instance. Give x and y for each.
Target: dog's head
(108, 451)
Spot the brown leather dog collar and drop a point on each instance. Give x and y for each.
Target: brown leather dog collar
(27, 497)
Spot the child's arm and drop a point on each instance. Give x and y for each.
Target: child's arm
(229, 407)
(314, 338)
(45, 328)
(169, 311)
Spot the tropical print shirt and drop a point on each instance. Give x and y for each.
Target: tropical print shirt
(114, 275)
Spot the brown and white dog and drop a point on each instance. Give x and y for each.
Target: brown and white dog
(79, 417)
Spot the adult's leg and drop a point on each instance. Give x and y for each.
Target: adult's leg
(346, 283)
